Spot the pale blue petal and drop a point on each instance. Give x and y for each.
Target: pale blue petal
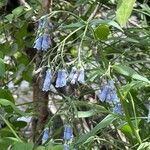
(111, 84)
(47, 81)
(68, 132)
(38, 43)
(66, 147)
(73, 71)
(45, 135)
(61, 78)
(117, 109)
(46, 43)
(81, 76)
(103, 95)
(73, 75)
(108, 97)
(114, 96)
(74, 79)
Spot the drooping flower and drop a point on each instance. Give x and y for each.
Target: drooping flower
(47, 81)
(73, 75)
(114, 96)
(117, 109)
(45, 135)
(108, 93)
(77, 75)
(81, 76)
(61, 78)
(103, 95)
(43, 40)
(38, 43)
(46, 43)
(66, 147)
(68, 132)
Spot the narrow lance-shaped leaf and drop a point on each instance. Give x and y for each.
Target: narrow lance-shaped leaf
(127, 71)
(124, 10)
(104, 123)
(5, 102)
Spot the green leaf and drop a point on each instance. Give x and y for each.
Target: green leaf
(57, 147)
(23, 146)
(5, 132)
(85, 114)
(73, 52)
(1, 55)
(19, 124)
(125, 128)
(18, 11)
(124, 10)
(10, 17)
(10, 127)
(127, 71)
(27, 74)
(6, 94)
(103, 124)
(40, 148)
(29, 14)
(102, 32)
(96, 22)
(144, 146)
(5, 102)
(4, 144)
(2, 68)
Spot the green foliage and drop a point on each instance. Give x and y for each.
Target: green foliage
(85, 33)
(102, 32)
(23, 146)
(124, 9)
(2, 68)
(104, 123)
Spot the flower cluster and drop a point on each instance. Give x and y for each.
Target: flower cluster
(68, 135)
(108, 94)
(43, 40)
(45, 135)
(77, 75)
(62, 78)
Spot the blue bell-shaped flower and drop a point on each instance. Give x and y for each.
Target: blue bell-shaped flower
(66, 147)
(68, 132)
(81, 76)
(47, 81)
(61, 80)
(108, 93)
(46, 43)
(38, 43)
(45, 135)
